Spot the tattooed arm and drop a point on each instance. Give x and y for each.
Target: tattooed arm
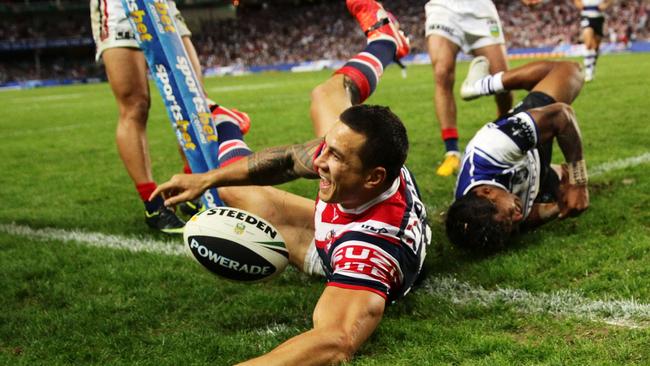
(268, 167)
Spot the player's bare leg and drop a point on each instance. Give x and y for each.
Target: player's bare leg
(126, 70)
(328, 101)
(562, 80)
(592, 43)
(358, 78)
(496, 54)
(291, 214)
(442, 53)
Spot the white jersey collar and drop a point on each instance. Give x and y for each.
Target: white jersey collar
(382, 197)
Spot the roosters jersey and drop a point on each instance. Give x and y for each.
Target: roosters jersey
(504, 154)
(378, 247)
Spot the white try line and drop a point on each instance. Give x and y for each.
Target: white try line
(620, 164)
(626, 313)
(133, 244)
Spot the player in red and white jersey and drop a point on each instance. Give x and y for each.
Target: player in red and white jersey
(366, 232)
(377, 245)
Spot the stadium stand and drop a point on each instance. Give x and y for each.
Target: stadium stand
(51, 39)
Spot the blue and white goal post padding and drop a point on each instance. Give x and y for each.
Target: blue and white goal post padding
(178, 85)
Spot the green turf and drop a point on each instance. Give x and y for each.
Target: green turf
(64, 303)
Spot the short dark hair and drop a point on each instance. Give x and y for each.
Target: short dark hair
(471, 225)
(386, 141)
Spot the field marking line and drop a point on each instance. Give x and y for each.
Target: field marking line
(620, 164)
(623, 313)
(95, 239)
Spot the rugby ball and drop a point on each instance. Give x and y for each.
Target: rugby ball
(236, 244)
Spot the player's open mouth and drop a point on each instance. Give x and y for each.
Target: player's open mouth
(324, 183)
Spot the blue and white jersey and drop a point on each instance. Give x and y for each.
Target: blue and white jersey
(590, 9)
(504, 154)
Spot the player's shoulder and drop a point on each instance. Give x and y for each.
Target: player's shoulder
(516, 133)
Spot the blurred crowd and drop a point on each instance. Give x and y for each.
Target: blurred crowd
(274, 34)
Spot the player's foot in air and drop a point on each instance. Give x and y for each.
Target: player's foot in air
(220, 112)
(165, 220)
(378, 24)
(450, 165)
(479, 68)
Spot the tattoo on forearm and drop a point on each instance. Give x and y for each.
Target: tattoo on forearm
(282, 164)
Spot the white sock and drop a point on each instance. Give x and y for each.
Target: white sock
(590, 61)
(491, 84)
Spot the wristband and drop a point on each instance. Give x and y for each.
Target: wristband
(577, 173)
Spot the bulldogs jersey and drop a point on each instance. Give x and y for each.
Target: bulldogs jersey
(378, 247)
(504, 154)
(590, 9)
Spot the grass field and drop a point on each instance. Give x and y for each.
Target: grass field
(575, 292)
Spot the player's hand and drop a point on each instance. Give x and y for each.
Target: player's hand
(574, 199)
(181, 188)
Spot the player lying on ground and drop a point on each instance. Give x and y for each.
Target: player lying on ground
(368, 232)
(506, 180)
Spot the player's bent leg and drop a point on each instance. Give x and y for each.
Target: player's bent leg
(443, 60)
(291, 214)
(563, 82)
(328, 101)
(496, 55)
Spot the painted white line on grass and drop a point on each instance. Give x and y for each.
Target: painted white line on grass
(93, 239)
(625, 313)
(620, 164)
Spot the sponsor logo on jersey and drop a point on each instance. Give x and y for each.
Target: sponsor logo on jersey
(442, 27)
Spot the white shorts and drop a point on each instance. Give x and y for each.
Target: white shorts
(111, 27)
(470, 24)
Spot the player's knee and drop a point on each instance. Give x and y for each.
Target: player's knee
(444, 74)
(319, 93)
(135, 108)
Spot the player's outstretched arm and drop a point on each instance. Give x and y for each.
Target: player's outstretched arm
(268, 167)
(559, 121)
(343, 321)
